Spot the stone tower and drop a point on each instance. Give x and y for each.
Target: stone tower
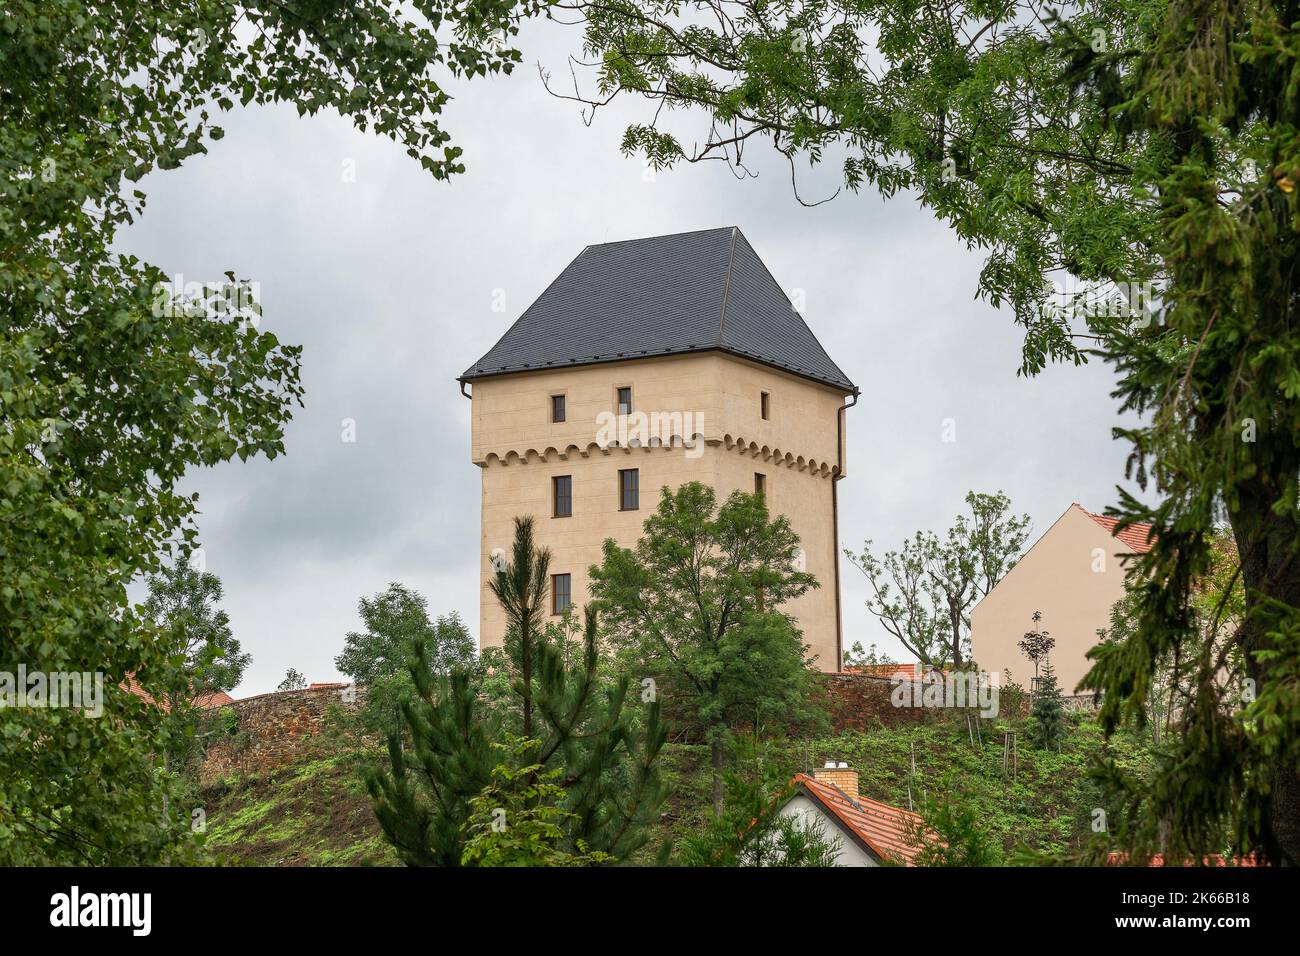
(655, 362)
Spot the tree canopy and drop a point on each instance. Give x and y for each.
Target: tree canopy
(923, 593)
(1128, 169)
(698, 603)
(111, 385)
(202, 653)
(377, 657)
(184, 602)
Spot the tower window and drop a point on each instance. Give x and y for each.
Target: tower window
(765, 405)
(561, 593)
(562, 495)
(557, 408)
(629, 489)
(760, 483)
(625, 400)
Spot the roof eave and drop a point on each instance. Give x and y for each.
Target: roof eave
(847, 387)
(878, 854)
(843, 825)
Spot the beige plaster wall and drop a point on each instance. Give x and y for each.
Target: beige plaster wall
(519, 450)
(806, 500)
(1074, 575)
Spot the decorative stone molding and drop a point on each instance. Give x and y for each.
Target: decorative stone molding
(551, 453)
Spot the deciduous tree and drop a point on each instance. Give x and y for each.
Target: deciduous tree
(293, 680)
(1037, 643)
(923, 593)
(519, 818)
(698, 601)
(203, 654)
(1131, 172)
(377, 658)
(111, 387)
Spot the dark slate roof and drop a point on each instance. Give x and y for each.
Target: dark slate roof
(690, 292)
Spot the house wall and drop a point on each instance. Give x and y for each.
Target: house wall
(519, 450)
(1057, 576)
(848, 852)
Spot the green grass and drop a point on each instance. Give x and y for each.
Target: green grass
(318, 813)
(314, 813)
(1047, 806)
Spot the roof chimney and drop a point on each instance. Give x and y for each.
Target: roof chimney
(839, 774)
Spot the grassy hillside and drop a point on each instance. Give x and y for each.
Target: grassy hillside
(314, 813)
(318, 813)
(1046, 807)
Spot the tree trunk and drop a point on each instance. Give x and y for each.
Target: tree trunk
(716, 754)
(954, 617)
(1265, 543)
(526, 652)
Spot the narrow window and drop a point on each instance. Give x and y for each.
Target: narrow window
(557, 408)
(760, 483)
(629, 489)
(765, 404)
(561, 593)
(562, 495)
(625, 400)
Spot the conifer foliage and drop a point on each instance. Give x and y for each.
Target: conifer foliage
(1131, 172)
(581, 735)
(1047, 713)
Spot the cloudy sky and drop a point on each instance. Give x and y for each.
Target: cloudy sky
(389, 281)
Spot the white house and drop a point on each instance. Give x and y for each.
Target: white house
(866, 832)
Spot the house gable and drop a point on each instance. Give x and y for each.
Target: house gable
(880, 833)
(1074, 573)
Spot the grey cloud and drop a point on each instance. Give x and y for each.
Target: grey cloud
(388, 284)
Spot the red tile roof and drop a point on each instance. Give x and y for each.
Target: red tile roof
(131, 685)
(219, 699)
(907, 671)
(884, 829)
(205, 701)
(1136, 536)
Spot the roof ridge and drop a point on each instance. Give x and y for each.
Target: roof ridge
(666, 235)
(838, 804)
(1106, 517)
(726, 288)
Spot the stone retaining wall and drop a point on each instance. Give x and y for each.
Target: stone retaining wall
(273, 729)
(859, 701)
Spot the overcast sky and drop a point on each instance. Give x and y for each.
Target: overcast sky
(388, 283)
